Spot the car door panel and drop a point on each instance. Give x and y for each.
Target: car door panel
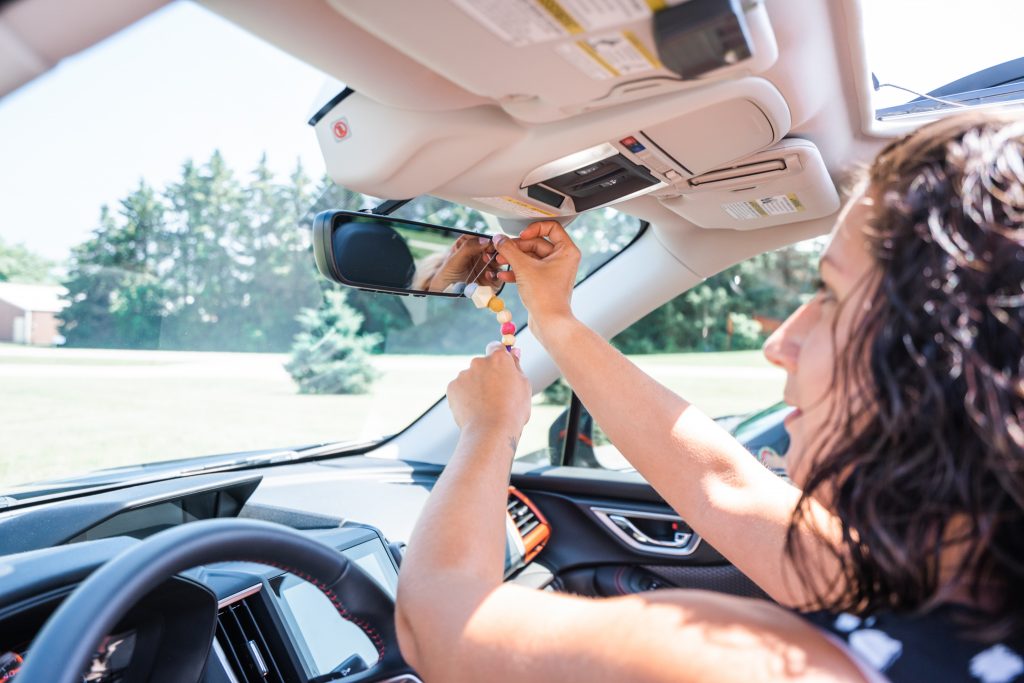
(588, 557)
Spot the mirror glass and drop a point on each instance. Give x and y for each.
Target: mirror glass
(401, 256)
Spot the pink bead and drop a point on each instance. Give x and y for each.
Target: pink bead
(508, 328)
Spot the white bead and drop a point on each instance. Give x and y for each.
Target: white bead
(482, 296)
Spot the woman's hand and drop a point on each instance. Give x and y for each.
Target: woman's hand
(467, 257)
(543, 261)
(493, 392)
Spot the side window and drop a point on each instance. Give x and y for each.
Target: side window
(704, 345)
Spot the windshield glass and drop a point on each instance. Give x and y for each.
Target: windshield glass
(158, 295)
(922, 45)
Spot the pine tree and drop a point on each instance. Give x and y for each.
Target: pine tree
(329, 355)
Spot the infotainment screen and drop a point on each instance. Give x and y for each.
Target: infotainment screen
(326, 642)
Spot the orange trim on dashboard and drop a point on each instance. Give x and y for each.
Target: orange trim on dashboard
(534, 541)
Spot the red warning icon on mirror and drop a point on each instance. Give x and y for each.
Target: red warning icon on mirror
(341, 129)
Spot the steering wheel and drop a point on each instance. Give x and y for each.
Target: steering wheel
(63, 648)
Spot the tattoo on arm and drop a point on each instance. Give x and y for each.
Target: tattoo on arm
(513, 443)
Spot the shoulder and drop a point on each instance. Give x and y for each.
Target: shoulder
(671, 635)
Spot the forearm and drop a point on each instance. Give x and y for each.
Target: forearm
(456, 553)
(707, 476)
(678, 449)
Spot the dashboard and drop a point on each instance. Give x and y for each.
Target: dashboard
(264, 623)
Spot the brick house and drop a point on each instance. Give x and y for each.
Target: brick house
(28, 313)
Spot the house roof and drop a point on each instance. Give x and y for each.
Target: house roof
(38, 298)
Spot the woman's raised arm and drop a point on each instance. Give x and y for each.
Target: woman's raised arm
(707, 476)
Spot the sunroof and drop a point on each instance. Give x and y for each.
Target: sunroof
(973, 47)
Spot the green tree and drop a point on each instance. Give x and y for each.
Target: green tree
(19, 264)
(770, 285)
(116, 298)
(330, 356)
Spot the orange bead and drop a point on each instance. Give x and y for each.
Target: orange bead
(496, 305)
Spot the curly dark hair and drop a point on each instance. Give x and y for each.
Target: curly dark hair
(927, 474)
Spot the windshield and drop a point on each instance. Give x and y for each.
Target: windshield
(158, 295)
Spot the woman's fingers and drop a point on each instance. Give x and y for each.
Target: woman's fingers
(552, 230)
(540, 248)
(506, 276)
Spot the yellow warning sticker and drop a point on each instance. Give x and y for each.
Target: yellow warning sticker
(776, 205)
(515, 207)
(527, 22)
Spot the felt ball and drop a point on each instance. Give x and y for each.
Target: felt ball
(508, 339)
(508, 328)
(468, 291)
(496, 305)
(504, 317)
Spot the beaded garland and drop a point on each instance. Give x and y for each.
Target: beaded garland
(483, 296)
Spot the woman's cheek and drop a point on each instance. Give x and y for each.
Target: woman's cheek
(815, 399)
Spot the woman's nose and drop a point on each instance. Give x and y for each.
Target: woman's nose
(783, 346)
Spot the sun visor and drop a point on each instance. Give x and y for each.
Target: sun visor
(544, 60)
(787, 183)
(383, 151)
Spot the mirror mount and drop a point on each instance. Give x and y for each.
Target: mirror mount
(389, 206)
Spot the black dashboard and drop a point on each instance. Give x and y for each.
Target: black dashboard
(270, 625)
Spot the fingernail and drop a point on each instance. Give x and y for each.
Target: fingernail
(516, 352)
(483, 240)
(498, 239)
(492, 347)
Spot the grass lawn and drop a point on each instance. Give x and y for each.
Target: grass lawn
(65, 411)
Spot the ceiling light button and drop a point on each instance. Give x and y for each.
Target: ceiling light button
(632, 144)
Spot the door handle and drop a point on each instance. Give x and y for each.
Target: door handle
(620, 523)
(680, 539)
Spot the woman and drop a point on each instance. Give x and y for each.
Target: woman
(907, 374)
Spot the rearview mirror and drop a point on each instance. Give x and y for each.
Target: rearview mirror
(398, 256)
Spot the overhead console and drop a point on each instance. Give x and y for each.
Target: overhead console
(649, 158)
(475, 155)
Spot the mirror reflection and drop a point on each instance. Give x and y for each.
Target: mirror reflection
(404, 256)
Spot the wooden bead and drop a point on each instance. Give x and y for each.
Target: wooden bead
(496, 305)
(508, 339)
(505, 316)
(508, 328)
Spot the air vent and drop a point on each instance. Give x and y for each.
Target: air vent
(241, 638)
(522, 515)
(529, 522)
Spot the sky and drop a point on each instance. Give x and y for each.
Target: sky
(183, 82)
(180, 83)
(922, 44)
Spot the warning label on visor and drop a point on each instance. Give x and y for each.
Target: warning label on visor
(776, 205)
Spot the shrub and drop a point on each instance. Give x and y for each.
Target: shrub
(329, 356)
